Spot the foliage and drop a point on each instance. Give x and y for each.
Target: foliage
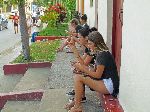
(50, 17)
(70, 7)
(14, 2)
(43, 2)
(53, 14)
(40, 52)
(57, 31)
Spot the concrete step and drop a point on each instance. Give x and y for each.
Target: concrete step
(34, 78)
(53, 100)
(21, 106)
(8, 83)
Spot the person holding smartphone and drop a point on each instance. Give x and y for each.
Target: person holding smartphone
(74, 28)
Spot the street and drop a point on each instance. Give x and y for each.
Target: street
(8, 38)
(10, 45)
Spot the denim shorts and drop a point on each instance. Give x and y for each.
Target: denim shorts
(109, 85)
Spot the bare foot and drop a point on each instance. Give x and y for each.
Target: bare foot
(68, 106)
(76, 109)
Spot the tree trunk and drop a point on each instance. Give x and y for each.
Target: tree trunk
(24, 31)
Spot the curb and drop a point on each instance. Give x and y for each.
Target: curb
(110, 104)
(41, 38)
(15, 69)
(31, 95)
(11, 69)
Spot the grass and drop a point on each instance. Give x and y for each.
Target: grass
(56, 31)
(40, 52)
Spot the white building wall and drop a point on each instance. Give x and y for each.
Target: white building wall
(134, 93)
(102, 18)
(90, 12)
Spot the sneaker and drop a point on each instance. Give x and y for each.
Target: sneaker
(71, 93)
(83, 100)
(69, 51)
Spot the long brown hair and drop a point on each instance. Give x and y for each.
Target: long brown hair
(98, 40)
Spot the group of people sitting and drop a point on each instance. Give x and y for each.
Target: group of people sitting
(96, 68)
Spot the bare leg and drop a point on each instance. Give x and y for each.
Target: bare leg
(64, 44)
(79, 80)
(73, 40)
(15, 29)
(29, 30)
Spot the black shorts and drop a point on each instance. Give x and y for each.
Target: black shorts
(15, 24)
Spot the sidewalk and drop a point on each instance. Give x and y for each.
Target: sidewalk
(7, 83)
(62, 77)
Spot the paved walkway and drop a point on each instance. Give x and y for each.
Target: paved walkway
(62, 77)
(7, 83)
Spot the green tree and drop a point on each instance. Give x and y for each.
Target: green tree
(70, 6)
(23, 26)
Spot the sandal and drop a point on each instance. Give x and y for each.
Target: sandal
(76, 109)
(68, 106)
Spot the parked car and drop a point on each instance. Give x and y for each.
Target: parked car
(3, 22)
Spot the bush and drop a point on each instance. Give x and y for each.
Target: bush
(54, 14)
(56, 31)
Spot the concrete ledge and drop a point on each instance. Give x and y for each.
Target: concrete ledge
(2, 103)
(39, 65)
(110, 104)
(31, 95)
(15, 69)
(22, 68)
(40, 38)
